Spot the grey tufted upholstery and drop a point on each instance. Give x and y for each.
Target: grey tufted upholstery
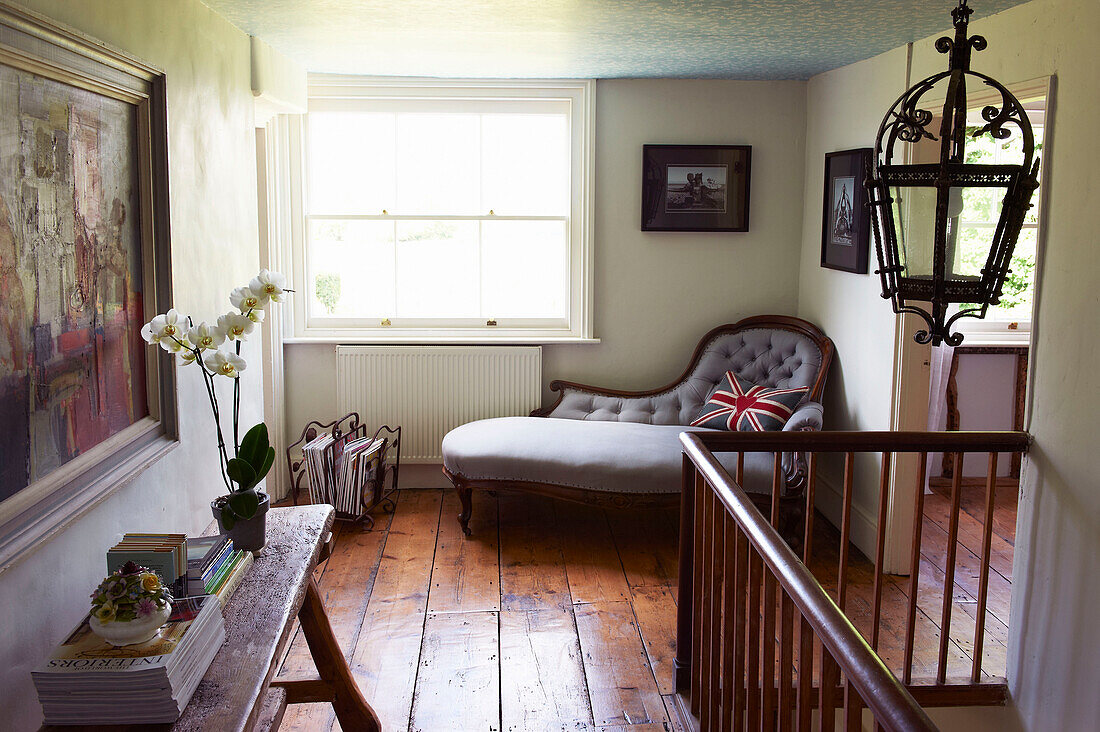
(767, 356)
(628, 444)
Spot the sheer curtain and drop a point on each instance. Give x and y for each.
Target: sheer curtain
(940, 366)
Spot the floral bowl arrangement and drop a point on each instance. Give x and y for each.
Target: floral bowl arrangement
(130, 606)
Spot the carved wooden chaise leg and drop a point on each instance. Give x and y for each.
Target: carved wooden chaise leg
(467, 507)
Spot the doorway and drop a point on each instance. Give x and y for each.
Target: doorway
(981, 384)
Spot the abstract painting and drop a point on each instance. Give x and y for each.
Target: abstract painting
(72, 362)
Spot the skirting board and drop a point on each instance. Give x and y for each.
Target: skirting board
(423, 475)
(830, 501)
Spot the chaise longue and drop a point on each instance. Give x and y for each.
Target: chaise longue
(615, 448)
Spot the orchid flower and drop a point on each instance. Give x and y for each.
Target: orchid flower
(235, 326)
(169, 325)
(245, 300)
(206, 337)
(225, 363)
(256, 315)
(268, 286)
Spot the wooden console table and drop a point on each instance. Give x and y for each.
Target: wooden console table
(237, 692)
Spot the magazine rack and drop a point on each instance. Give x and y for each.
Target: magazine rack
(378, 484)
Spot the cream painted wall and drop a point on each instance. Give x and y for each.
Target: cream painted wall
(214, 248)
(656, 294)
(843, 109)
(1052, 665)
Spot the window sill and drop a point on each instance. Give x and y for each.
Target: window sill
(456, 340)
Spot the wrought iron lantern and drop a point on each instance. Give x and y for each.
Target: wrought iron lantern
(915, 206)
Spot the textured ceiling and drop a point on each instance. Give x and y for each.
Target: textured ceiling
(736, 39)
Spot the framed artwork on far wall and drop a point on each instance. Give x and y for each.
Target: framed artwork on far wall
(845, 222)
(84, 263)
(695, 187)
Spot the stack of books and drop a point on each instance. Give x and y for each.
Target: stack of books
(338, 469)
(214, 567)
(165, 554)
(89, 681)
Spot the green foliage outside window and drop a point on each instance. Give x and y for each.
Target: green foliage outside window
(326, 287)
(982, 206)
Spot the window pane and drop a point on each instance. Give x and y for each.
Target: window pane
(526, 164)
(525, 269)
(437, 272)
(351, 163)
(352, 267)
(438, 164)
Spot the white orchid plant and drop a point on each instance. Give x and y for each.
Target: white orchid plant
(216, 349)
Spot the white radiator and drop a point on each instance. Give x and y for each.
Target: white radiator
(429, 390)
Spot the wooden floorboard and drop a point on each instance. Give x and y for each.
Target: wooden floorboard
(388, 650)
(556, 616)
(458, 681)
(647, 545)
(541, 673)
(466, 572)
(621, 686)
(655, 611)
(592, 562)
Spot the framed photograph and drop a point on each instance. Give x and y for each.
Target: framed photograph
(845, 220)
(84, 404)
(695, 187)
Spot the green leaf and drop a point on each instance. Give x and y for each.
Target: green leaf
(266, 466)
(241, 473)
(254, 446)
(244, 503)
(228, 518)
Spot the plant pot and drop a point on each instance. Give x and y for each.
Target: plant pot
(129, 632)
(247, 534)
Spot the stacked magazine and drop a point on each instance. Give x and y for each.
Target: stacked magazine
(338, 469)
(89, 681)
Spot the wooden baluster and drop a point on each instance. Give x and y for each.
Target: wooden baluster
(786, 660)
(706, 632)
(739, 470)
(914, 572)
(730, 616)
(827, 701)
(949, 569)
(717, 526)
(685, 584)
(752, 640)
(811, 484)
(701, 489)
(777, 487)
(845, 530)
(767, 673)
(853, 709)
(983, 581)
(880, 547)
(805, 701)
(741, 581)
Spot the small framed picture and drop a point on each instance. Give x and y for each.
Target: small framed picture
(845, 221)
(695, 187)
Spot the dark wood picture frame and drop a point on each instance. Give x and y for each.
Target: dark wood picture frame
(845, 220)
(45, 53)
(695, 187)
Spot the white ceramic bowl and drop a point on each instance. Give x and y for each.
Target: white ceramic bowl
(129, 632)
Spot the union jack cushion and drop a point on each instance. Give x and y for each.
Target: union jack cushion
(742, 407)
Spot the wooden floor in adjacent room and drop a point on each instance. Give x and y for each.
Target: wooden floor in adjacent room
(558, 616)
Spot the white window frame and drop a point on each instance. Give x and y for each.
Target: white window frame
(330, 92)
(992, 330)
